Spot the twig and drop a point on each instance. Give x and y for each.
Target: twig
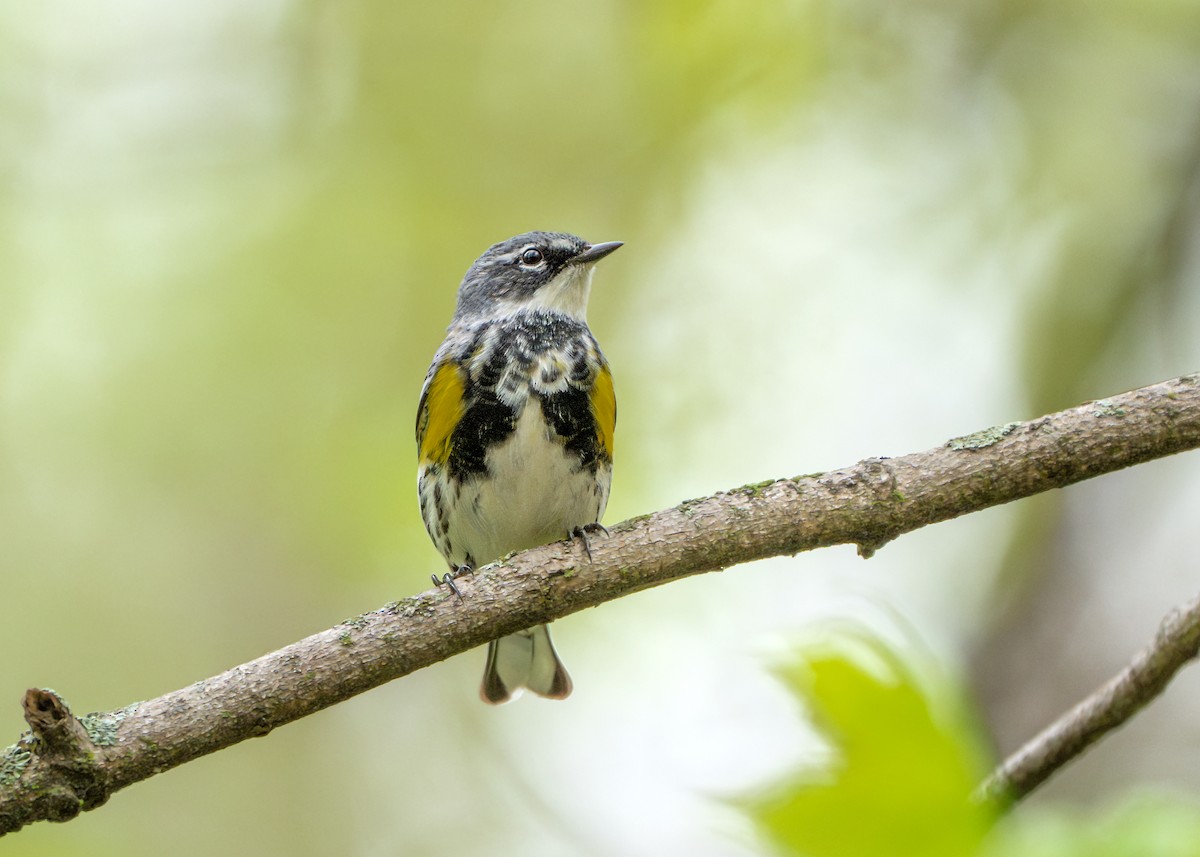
(867, 504)
(1175, 644)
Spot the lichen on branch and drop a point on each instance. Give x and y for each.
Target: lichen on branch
(68, 765)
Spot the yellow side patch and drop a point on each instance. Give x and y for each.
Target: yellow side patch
(441, 409)
(604, 409)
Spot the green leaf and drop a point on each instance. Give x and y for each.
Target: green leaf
(905, 770)
(1143, 826)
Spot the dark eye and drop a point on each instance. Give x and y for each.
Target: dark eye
(531, 256)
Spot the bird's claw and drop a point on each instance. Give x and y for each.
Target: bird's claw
(447, 579)
(581, 533)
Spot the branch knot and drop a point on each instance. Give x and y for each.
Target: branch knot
(62, 744)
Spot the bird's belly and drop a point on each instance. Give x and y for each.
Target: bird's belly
(534, 493)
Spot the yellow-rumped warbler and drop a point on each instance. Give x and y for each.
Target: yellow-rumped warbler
(515, 429)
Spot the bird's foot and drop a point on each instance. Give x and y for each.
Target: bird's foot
(449, 577)
(583, 532)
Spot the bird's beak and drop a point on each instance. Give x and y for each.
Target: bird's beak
(595, 252)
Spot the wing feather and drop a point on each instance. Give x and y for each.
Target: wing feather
(604, 409)
(439, 412)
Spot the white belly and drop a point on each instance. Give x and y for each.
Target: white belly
(535, 494)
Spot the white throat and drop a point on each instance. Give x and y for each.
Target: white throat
(567, 293)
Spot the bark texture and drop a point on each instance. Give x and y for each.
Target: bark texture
(66, 765)
(1174, 646)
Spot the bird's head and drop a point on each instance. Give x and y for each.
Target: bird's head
(546, 270)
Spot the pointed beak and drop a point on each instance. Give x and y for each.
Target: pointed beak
(595, 252)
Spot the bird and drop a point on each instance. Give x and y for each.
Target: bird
(515, 430)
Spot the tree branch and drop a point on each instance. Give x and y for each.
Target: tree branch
(1175, 644)
(867, 504)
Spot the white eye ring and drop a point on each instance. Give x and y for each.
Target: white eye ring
(532, 256)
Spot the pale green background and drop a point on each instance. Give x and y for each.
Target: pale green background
(230, 235)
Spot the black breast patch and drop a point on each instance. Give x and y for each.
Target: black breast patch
(570, 414)
(487, 420)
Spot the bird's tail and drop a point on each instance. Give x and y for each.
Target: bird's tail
(525, 659)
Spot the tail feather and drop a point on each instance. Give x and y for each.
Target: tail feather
(525, 659)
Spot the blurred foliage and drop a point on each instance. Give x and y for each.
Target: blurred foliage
(907, 758)
(905, 768)
(1148, 825)
(230, 239)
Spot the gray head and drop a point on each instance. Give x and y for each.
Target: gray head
(548, 270)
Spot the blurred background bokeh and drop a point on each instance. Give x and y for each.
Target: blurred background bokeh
(231, 235)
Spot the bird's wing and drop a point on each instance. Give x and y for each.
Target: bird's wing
(439, 411)
(604, 409)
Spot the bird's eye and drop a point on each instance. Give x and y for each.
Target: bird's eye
(531, 256)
